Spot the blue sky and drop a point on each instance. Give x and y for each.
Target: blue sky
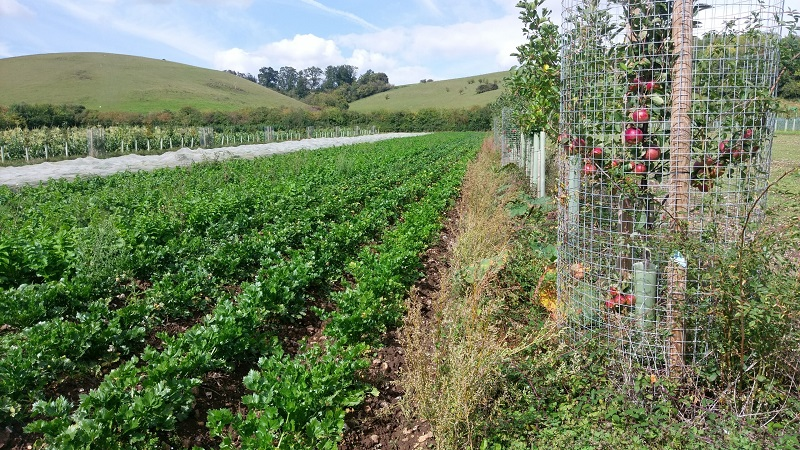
(409, 40)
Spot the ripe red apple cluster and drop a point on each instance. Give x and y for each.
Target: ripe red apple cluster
(616, 298)
(705, 171)
(635, 134)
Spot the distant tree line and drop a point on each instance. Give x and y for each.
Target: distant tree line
(39, 116)
(336, 86)
(24, 115)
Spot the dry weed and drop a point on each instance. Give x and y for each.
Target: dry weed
(453, 357)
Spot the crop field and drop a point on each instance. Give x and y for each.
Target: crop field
(121, 297)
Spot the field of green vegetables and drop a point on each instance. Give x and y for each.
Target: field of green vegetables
(92, 270)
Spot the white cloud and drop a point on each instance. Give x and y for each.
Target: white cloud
(435, 46)
(300, 52)
(13, 8)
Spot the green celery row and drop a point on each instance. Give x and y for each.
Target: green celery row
(43, 368)
(200, 359)
(146, 242)
(300, 402)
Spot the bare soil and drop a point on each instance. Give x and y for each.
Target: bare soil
(379, 423)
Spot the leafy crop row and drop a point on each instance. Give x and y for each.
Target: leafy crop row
(276, 229)
(301, 402)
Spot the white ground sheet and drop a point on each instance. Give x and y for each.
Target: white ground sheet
(35, 173)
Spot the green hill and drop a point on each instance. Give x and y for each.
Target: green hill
(449, 94)
(113, 82)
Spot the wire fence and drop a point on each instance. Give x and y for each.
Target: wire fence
(526, 150)
(667, 125)
(47, 144)
(787, 124)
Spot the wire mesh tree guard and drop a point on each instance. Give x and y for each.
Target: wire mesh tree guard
(667, 122)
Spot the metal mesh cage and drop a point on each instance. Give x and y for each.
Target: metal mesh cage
(667, 120)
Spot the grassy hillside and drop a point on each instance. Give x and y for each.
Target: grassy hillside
(455, 93)
(128, 83)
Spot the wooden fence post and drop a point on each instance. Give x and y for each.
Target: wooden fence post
(680, 166)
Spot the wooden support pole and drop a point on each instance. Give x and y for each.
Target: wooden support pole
(680, 166)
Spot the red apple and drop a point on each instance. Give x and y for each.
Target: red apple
(616, 163)
(597, 152)
(698, 170)
(640, 115)
(639, 168)
(748, 133)
(589, 169)
(723, 146)
(615, 299)
(650, 86)
(576, 146)
(628, 299)
(715, 171)
(652, 154)
(635, 85)
(579, 144)
(633, 136)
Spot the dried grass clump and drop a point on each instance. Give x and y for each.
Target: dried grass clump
(453, 355)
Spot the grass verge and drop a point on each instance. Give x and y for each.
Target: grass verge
(489, 369)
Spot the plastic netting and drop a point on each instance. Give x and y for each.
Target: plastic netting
(667, 122)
